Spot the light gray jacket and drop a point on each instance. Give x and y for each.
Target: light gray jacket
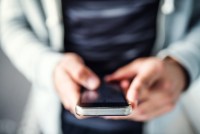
(32, 36)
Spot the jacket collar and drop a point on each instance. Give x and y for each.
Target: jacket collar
(53, 13)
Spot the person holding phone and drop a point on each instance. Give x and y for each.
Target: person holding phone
(151, 48)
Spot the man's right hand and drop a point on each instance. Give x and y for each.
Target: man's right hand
(69, 75)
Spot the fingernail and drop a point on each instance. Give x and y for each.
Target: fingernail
(134, 102)
(92, 83)
(133, 105)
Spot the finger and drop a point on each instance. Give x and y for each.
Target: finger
(143, 81)
(126, 72)
(81, 117)
(82, 75)
(125, 85)
(134, 91)
(143, 96)
(69, 92)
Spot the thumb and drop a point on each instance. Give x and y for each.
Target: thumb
(83, 76)
(134, 91)
(91, 81)
(143, 81)
(86, 78)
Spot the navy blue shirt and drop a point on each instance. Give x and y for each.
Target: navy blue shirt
(108, 34)
(103, 30)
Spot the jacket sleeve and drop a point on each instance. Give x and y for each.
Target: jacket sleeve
(187, 52)
(30, 55)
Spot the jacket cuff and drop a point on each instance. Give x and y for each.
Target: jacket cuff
(187, 57)
(45, 69)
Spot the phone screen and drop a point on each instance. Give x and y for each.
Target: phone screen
(107, 95)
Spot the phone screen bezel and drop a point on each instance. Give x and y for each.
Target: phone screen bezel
(103, 104)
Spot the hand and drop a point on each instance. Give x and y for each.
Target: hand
(155, 87)
(69, 75)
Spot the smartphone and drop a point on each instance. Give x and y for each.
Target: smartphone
(107, 100)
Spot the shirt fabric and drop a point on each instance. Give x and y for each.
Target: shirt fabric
(107, 35)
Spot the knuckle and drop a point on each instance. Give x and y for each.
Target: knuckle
(80, 71)
(170, 107)
(144, 83)
(158, 66)
(167, 99)
(139, 84)
(171, 103)
(170, 97)
(61, 64)
(73, 57)
(168, 85)
(70, 56)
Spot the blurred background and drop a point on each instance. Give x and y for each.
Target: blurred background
(14, 90)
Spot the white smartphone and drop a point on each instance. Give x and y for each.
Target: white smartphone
(107, 100)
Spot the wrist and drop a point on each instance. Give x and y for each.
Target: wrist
(180, 71)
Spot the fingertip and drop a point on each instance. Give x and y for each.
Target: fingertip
(107, 78)
(133, 105)
(106, 117)
(130, 97)
(79, 117)
(110, 78)
(125, 84)
(133, 99)
(93, 83)
(97, 84)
